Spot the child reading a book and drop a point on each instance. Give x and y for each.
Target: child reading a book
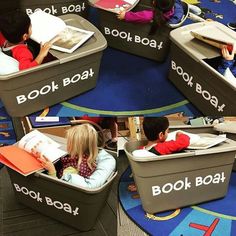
(164, 11)
(156, 131)
(85, 166)
(15, 30)
(228, 61)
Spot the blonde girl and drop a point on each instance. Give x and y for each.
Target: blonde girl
(82, 149)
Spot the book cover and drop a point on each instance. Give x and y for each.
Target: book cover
(115, 6)
(19, 160)
(49, 28)
(22, 157)
(213, 41)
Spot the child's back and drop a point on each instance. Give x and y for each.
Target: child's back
(15, 30)
(156, 130)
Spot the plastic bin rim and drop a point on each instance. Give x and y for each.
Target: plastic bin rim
(186, 153)
(76, 187)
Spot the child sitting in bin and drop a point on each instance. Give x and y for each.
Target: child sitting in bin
(15, 30)
(156, 131)
(85, 166)
(228, 60)
(164, 11)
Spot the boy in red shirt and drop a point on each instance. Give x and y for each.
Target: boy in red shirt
(156, 131)
(15, 29)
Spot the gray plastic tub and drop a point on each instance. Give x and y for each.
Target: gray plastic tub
(192, 70)
(54, 7)
(133, 37)
(228, 128)
(75, 206)
(169, 182)
(69, 75)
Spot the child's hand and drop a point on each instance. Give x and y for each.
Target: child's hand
(44, 48)
(121, 15)
(47, 164)
(226, 54)
(178, 134)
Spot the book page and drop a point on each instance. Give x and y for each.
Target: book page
(207, 142)
(202, 141)
(41, 144)
(116, 5)
(70, 39)
(193, 137)
(45, 26)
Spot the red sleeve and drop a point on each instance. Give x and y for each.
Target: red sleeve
(22, 54)
(2, 40)
(172, 146)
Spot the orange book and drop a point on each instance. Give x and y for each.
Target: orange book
(19, 160)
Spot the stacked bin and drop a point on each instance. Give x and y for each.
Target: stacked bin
(75, 206)
(169, 182)
(66, 76)
(54, 7)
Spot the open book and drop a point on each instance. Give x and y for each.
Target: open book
(115, 5)
(218, 42)
(65, 38)
(199, 141)
(21, 158)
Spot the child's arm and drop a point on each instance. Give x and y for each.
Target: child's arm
(227, 60)
(48, 165)
(25, 58)
(44, 48)
(106, 164)
(145, 16)
(182, 141)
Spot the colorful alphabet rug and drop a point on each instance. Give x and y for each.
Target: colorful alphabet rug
(214, 218)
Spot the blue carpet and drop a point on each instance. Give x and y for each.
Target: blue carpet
(222, 212)
(132, 85)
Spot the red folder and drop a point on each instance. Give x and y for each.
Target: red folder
(19, 160)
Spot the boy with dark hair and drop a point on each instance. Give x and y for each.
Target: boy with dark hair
(156, 130)
(15, 30)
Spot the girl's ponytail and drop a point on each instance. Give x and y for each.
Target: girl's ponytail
(160, 7)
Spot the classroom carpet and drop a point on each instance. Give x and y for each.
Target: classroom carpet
(214, 218)
(132, 85)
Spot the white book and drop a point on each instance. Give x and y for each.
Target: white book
(199, 141)
(65, 38)
(41, 144)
